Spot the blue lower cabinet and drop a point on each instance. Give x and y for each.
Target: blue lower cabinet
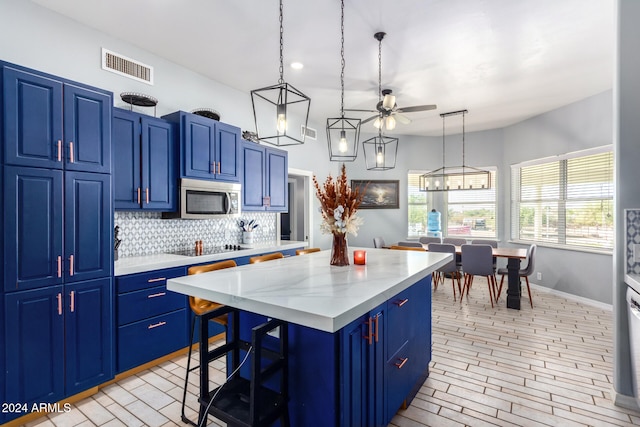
(66, 332)
(152, 321)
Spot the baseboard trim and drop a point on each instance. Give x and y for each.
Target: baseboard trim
(624, 401)
(577, 298)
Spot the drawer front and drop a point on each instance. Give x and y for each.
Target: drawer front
(401, 324)
(148, 339)
(138, 305)
(135, 282)
(398, 375)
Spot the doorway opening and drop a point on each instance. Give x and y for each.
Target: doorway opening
(295, 224)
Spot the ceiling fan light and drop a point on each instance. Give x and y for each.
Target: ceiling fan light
(388, 102)
(377, 123)
(390, 123)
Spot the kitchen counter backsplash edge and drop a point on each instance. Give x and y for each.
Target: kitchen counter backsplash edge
(145, 263)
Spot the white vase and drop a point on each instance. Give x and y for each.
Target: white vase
(247, 237)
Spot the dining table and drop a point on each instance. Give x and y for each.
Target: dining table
(513, 256)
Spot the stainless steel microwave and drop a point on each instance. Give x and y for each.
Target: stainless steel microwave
(202, 199)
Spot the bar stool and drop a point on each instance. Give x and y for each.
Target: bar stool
(267, 257)
(200, 307)
(249, 402)
(307, 251)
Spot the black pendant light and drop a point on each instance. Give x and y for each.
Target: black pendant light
(280, 111)
(380, 152)
(343, 134)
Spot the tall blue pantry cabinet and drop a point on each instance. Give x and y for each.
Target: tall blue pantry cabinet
(58, 242)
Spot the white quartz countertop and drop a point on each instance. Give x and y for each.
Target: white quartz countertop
(308, 291)
(141, 264)
(633, 280)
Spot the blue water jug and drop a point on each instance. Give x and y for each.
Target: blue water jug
(433, 221)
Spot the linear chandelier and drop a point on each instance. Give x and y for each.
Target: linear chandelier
(343, 134)
(451, 178)
(281, 110)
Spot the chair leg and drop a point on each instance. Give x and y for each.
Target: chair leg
(490, 285)
(465, 286)
(435, 276)
(186, 377)
(526, 278)
(500, 288)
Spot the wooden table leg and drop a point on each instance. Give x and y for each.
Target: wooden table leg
(513, 289)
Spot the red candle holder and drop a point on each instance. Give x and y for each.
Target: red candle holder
(359, 257)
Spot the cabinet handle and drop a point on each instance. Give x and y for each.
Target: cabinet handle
(159, 294)
(402, 363)
(59, 150)
(72, 294)
(138, 195)
(157, 279)
(59, 266)
(401, 303)
(218, 168)
(369, 336)
(71, 151)
(70, 265)
(213, 165)
(59, 297)
(156, 325)
(376, 320)
(147, 193)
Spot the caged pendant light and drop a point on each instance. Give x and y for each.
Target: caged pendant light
(281, 110)
(449, 178)
(343, 134)
(380, 152)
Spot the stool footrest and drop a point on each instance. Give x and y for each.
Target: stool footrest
(231, 405)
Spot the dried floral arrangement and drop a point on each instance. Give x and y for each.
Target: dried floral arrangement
(338, 204)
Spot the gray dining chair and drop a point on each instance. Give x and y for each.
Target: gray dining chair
(410, 244)
(477, 260)
(378, 242)
(450, 268)
(456, 241)
(492, 243)
(428, 239)
(523, 272)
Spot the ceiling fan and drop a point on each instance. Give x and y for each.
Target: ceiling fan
(387, 111)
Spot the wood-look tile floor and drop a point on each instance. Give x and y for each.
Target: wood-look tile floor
(550, 365)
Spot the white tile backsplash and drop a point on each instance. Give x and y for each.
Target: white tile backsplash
(146, 233)
(632, 223)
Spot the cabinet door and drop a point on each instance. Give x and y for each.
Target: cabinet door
(89, 326)
(355, 350)
(159, 186)
(32, 119)
(87, 129)
(33, 228)
(277, 181)
(34, 350)
(377, 413)
(126, 170)
(198, 147)
(253, 176)
(88, 232)
(227, 152)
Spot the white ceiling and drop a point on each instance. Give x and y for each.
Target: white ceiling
(503, 60)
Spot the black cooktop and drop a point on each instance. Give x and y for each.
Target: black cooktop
(209, 251)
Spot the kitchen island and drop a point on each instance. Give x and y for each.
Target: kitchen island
(359, 336)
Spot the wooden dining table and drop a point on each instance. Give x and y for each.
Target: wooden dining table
(513, 256)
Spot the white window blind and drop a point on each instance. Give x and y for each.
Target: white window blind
(417, 206)
(566, 201)
(472, 213)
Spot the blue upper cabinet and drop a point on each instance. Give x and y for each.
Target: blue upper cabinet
(208, 149)
(145, 173)
(33, 238)
(52, 123)
(264, 178)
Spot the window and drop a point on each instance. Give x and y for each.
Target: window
(466, 213)
(472, 213)
(567, 201)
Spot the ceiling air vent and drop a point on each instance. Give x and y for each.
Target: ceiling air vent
(308, 132)
(127, 67)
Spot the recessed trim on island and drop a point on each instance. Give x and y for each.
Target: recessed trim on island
(359, 335)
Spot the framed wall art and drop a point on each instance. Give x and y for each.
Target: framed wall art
(378, 194)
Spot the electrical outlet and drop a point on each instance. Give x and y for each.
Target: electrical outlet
(539, 276)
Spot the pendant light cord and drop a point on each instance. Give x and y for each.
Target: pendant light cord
(281, 81)
(342, 58)
(463, 164)
(443, 164)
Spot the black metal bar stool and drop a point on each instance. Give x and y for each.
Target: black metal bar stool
(200, 307)
(247, 401)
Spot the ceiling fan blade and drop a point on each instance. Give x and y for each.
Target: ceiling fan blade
(402, 118)
(369, 119)
(416, 108)
(366, 111)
